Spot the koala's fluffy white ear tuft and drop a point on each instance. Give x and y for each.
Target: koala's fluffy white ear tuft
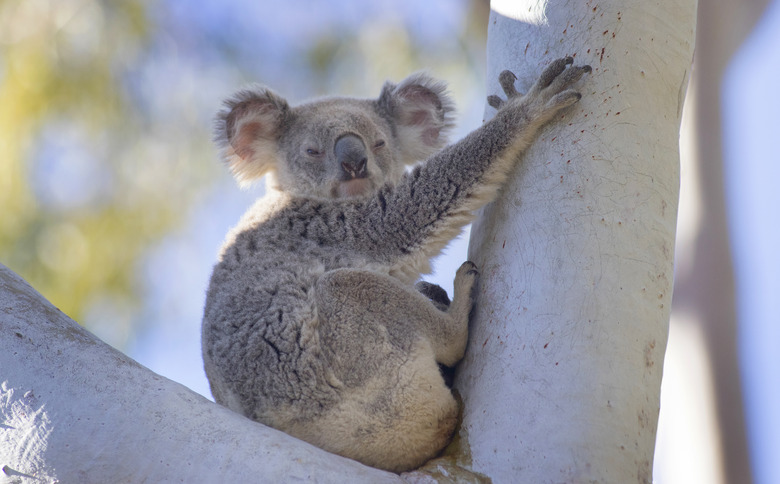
(422, 112)
(247, 131)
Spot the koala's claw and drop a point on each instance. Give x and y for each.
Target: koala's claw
(466, 268)
(552, 71)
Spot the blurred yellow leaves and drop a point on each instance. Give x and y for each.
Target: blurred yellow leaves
(58, 62)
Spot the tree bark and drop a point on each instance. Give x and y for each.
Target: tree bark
(73, 409)
(562, 375)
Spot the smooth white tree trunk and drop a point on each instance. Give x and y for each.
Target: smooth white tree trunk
(73, 409)
(562, 375)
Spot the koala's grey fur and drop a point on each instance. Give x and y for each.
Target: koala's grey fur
(312, 323)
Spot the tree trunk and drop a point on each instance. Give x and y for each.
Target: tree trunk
(73, 409)
(562, 376)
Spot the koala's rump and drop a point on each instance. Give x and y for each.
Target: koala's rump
(259, 343)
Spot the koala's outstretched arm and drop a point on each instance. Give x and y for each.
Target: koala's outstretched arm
(432, 203)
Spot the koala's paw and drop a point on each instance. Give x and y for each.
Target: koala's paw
(549, 94)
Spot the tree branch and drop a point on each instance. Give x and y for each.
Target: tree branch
(73, 409)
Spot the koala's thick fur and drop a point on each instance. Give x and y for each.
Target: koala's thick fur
(312, 323)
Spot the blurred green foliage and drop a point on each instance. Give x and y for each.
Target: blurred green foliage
(61, 60)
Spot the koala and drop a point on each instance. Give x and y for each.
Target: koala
(313, 324)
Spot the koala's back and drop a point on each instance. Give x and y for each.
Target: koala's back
(260, 319)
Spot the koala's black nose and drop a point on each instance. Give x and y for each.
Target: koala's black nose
(351, 157)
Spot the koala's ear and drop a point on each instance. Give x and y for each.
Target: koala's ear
(247, 131)
(422, 113)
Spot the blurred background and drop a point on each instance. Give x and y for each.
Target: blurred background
(113, 204)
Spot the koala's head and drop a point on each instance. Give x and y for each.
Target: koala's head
(334, 147)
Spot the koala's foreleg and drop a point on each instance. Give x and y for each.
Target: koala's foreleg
(477, 166)
(431, 204)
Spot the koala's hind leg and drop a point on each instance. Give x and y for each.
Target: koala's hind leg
(463, 299)
(397, 420)
(464, 282)
(375, 299)
(383, 340)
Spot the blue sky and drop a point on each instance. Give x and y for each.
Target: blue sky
(751, 130)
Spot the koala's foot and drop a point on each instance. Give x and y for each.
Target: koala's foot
(548, 95)
(435, 293)
(463, 299)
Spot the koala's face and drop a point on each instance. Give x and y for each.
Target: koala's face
(337, 148)
(334, 147)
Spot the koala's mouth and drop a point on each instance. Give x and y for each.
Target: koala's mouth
(354, 188)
